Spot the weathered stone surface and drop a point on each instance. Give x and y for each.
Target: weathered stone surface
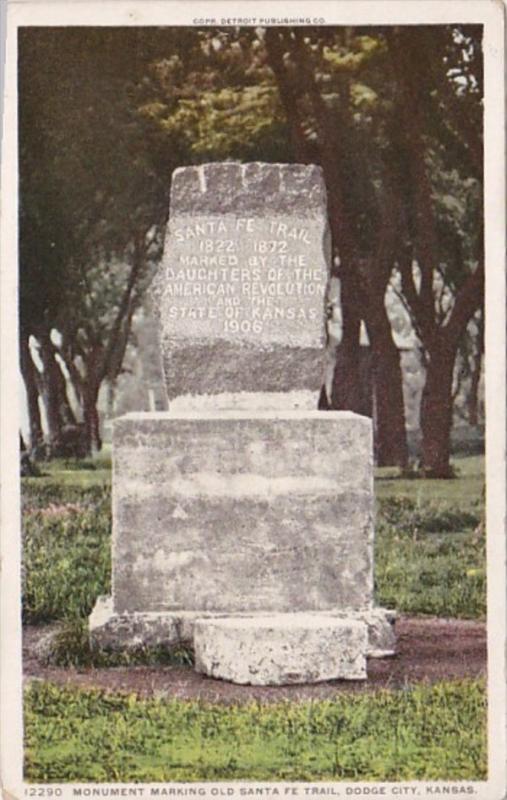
(243, 518)
(226, 512)
(111, 631)
(381, 631)
(249, 189)
(229, 367)
(125, 631)
(242, 285)
(246, 401)
(280, 649)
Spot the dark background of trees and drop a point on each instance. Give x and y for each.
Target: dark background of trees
(394, 117)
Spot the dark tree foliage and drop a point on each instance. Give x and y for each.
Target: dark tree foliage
(393, 116)
(94, 180)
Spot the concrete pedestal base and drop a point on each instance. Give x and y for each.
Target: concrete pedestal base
(236, 512)
(248, 535)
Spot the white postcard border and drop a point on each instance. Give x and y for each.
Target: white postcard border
(490, 13)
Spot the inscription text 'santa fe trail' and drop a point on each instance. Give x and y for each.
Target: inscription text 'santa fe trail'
(243, 280)
(243, 516)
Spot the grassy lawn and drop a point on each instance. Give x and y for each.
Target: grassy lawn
(422, 733)
(429, 559)
(429, 550)
(77, 472)
(463, 491)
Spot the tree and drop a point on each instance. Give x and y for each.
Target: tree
(396, 119)
(93, 201)
(392, 116)
(439, 152)
(322, 78)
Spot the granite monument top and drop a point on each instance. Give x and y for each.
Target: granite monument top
(243, 280)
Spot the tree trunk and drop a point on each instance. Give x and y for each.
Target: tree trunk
(436, 412)
(473, 400)
(75, 377)
(346, 394)
(66, 412)
(289, 94)
(93, 441)
(346, 390)
(32, 393)
(51, 387)
(391, 435)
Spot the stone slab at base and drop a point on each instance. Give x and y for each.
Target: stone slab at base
(281, 649)
(130, 630)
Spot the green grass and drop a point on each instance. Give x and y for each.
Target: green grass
(429, 557)
(462, 491)
(75, 472)
(421, 733)
(66, 549)
(430, 554)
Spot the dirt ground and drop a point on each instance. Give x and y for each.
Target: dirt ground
(429, 650)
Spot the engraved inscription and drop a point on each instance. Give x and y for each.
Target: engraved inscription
(245, 276)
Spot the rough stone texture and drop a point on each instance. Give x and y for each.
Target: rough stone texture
(242, 285)
(112, 631)
(246, 401)
(248, 189)
(280, 649)
(223, 367)
(381, 631)
(225, 512)
(243, 518)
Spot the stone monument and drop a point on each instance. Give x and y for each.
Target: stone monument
(243, 516)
